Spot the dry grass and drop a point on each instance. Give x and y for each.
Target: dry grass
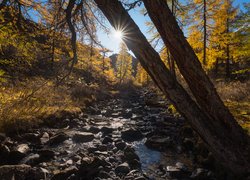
(25, 105)
(236, 96)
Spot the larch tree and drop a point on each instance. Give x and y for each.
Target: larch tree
(124, 65)
(208, 115)
(200, 21)
(222, 37)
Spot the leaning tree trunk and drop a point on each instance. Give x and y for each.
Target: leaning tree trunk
(231, 152)
(191, 69)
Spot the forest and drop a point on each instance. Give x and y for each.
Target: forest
(124, 89)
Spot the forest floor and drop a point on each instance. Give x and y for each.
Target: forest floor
(129, 136)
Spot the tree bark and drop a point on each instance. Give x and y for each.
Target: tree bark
(191, 69)
(231, 152)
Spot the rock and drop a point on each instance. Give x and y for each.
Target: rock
(90, 167)
(69, 162)
(58, 138)
(120, 145)
(31, 137)
(82, 137)
(102, 148)
(200, 174)
(104, 175)
(175, 172)
(45, 138)
(131, 157)
(23, 148)
(64, 174)
(140, 178)
(159, 143)
(4, 153)
(46, 154)
(19, 172)
(181, 166)
(131, 135)
(94, 130)
(107, 140)
(106, 130)
(31, 159)
(135, 164)
(122, 169)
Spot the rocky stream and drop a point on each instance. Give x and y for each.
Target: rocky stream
(132, 136)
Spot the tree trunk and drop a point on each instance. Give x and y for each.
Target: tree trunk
(228, 54)
(191, 69)
(230, 151)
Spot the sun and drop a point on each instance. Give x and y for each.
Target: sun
(118, 34)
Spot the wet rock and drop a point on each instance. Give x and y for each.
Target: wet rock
(159, 143)
(122, 169)
(131, 135)
(82, 137)
(58, 138)
(19, 172)
(64, 174)
(31, 159)
(132, 158)
(120, 145)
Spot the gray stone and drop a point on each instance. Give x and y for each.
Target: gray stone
(122, 169)
(31, 159)
(83, 137)
(58, 138)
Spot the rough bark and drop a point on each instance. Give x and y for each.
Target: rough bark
(229, 152)
(69, 10)
(190, 67)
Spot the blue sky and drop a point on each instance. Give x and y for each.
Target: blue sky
(112, 43)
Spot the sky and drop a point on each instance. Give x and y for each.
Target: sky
(112, 42)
